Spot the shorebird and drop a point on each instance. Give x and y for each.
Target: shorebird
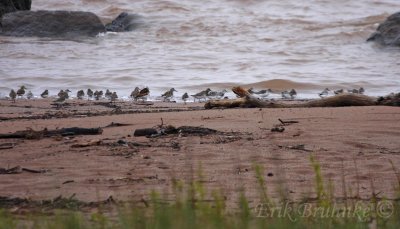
(324, 93)
(201, 95)
(45, 94)
(143, 94)
(89, 93)
(262, 93)
(357, 91)
(168, 94)
(21, 91)
(61, 100)
(339, 91)
(292, 93)
(216, 94)
(80, 94)
(185, 97)
(108, 94)
(135, 93)
(285, 95)
(13, 95)
(98, 94)
(63, 93)
(29, 95)
(113, 96)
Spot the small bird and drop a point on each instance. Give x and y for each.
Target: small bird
(339, 91)
(324, 93)
(13, 95)
(108, 94)
(29, 95)
(216, 94)
(185, 97)
(60, 93)
(201, 95)
(45, 94)
(60, 101)
(63, 93)
(357, 91)
(98, 94)
(89, 93)
(21, 91)
(80, 94)
(113, 96)
(292, 93)
(143, 94)
(285, 95)
(135, 93)
(168, 94)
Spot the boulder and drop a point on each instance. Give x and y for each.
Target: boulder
(124, 22)
(7, 6)
(64, 24)
(388, 32)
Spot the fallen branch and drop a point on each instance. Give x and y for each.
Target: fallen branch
(343, 100)
(32, 134)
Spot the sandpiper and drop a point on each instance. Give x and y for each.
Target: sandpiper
(21, 91)
(143, 94)
(29, 95)
(135, 93)
(324, 93)
(61, 100)
(113, 96)
(89, 93)
(185, 97)
(357, 91)
(98, 94)
(60, 93)
(168, 94)
(285, 95)
(13, 95)
(45, 94)
(201, 95)
(292, 93)
(80, 94)
(262, 93)
(339, 91)
(216, 94)
(108, 94)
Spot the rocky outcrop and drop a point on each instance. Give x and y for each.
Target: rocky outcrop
(51, 24)
(388, 32)
(7, 6)
(65, 24)
(124, 22)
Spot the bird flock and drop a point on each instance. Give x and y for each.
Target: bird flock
(143, 93)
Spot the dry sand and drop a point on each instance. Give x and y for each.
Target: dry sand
(340, 138)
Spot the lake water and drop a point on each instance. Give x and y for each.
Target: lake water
(191, 45)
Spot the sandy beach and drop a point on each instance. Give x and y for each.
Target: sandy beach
(356, 143)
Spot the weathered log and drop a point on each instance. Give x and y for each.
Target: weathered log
(32, 134)
(343, 100)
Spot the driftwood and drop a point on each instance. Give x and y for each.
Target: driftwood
(343, 100)
(32, 134)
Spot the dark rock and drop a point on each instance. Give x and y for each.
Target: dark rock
(388, 32)
(7, 6)
(124, 22)
(64, 24)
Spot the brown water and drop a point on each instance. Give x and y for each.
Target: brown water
(190, 44)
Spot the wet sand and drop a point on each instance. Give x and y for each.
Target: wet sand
(355, 142)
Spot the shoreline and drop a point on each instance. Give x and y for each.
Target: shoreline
(129, 168)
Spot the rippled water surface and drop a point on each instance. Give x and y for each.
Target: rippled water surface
(191, 45)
